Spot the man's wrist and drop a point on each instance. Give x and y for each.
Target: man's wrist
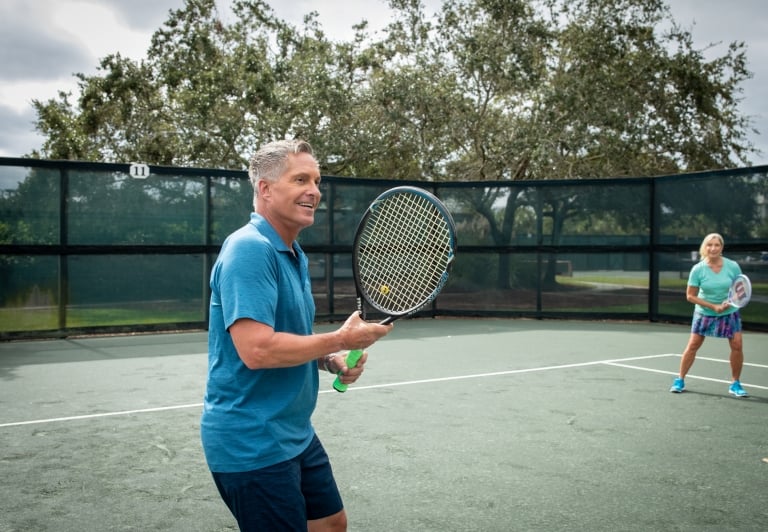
(327, 363)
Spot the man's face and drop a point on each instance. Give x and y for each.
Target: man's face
(290, 202)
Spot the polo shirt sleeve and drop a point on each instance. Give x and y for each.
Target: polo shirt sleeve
(248, 281)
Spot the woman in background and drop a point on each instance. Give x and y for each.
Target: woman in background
(708, 285)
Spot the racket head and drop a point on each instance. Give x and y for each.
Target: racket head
(403, 251)
(740, 292)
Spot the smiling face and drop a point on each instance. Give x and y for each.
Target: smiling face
(712, 247)
(289, 203)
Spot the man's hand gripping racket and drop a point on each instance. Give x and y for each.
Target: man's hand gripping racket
(404, 247)
(740, 292)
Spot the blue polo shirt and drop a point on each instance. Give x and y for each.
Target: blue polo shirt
(256, 418)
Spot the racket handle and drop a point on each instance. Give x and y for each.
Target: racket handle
(351, 361)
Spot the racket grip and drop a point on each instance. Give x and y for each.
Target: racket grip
(351, 361)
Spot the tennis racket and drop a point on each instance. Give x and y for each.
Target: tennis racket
(740, 292)
(404, 247)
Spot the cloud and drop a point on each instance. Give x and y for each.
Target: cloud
(17, 136)
(714, 26)
(48, 39)
(44, 42)
(140, 14)
(29, 50)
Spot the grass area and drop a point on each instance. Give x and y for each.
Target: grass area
(42, 319)
(21, 319)
(667, 283)
(756, 311)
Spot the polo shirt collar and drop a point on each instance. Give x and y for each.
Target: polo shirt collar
(266, 229)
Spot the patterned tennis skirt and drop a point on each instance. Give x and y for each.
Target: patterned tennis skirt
(716, 326)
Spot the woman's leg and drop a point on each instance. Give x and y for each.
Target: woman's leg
(737, 355)
(689, 355)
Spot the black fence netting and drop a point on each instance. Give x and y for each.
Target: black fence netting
(98, 248)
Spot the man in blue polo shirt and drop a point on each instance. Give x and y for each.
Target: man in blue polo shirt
(268, 465)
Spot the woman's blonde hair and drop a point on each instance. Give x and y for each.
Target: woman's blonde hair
(703, 246)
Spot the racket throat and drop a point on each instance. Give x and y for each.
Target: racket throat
(361, 307)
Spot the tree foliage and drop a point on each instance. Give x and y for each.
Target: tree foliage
(484, 90)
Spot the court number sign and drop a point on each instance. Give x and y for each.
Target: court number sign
(139, 170)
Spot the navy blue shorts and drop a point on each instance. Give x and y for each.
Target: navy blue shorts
(282, 497)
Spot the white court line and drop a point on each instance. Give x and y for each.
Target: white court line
(618, 362)
(689, 376)
(498, 373)
(103, 414)
(764, 366)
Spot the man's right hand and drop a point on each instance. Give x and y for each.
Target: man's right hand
(357, 333)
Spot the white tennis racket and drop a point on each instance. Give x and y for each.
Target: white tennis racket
(740, 292)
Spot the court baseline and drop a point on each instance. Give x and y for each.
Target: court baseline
(616, 362)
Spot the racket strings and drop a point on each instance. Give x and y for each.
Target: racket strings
(741, 291)
(404, 253)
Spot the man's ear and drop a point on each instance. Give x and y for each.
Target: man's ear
(264, 188)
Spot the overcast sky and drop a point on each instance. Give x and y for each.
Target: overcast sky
(43, 42)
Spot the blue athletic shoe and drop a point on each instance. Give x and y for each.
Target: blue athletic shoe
(678, 386)
(736, 390)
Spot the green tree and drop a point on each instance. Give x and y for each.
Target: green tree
(625, 98)
(206, 94)
(487, 90)
(577, 89)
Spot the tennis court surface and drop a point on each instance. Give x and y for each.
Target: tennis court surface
(457, 425)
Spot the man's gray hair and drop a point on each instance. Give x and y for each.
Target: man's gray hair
(269, 161)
